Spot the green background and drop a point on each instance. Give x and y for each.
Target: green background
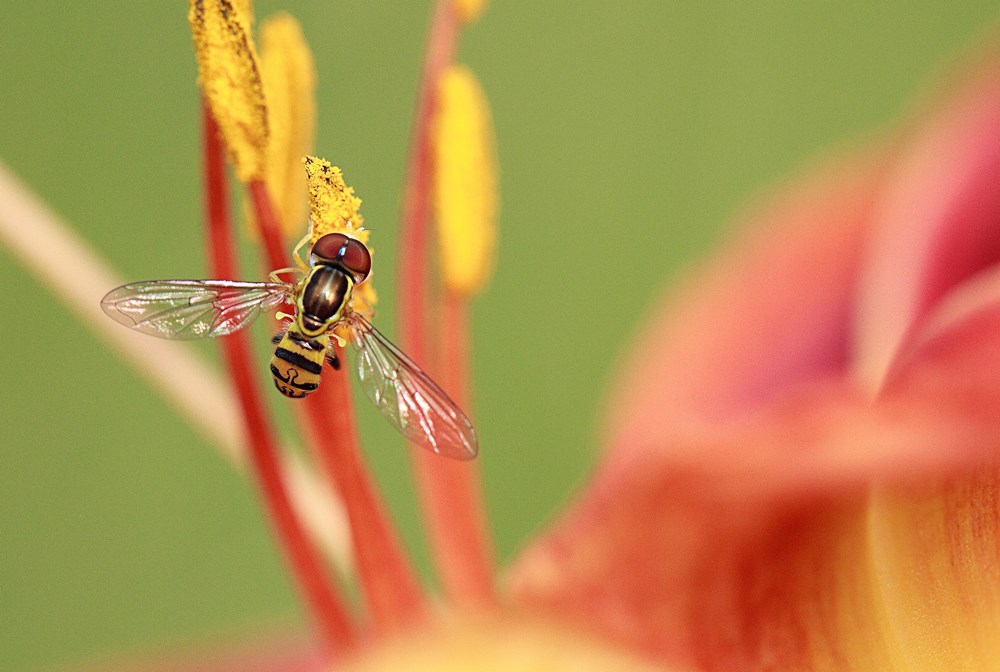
(648, 122)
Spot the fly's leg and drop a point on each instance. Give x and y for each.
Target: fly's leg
(295, 253)
(273, 275)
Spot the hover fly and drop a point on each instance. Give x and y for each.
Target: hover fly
(405, 395)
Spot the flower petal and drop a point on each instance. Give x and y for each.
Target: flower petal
(504, 643)
(937, 221)
(935, 556)
(731, 525)
(766, 315)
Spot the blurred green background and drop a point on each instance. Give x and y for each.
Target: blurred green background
(650, 121)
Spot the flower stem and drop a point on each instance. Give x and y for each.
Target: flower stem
(450, 493)
(390, 585)
(465, 556)
(267, 225)
(330, 614)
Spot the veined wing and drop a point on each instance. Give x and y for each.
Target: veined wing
(408, 398)
(188, 309)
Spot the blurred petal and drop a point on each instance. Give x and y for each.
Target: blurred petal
(733, 523)
(767, 315)
(937, 221)
(653, 554)
(512, 643)
(935, 552)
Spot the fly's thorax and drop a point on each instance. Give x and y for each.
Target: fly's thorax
(321, 303)
(298, 362)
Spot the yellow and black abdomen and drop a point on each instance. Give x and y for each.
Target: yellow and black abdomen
(298, 362)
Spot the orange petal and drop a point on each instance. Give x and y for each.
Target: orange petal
(935, 555)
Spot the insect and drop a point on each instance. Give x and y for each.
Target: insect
(405, 395)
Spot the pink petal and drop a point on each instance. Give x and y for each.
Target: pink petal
(655, 535)
(768, 314)
(730, 526)
(938, 222)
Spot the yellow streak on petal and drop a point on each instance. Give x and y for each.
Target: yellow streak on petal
(937, 557)
(465, 182)
(469, 10)
(290, 85)
(230, 79)
(835, 601)
(499, 644)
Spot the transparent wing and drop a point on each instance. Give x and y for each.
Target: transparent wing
(407, 396)
(188, 309)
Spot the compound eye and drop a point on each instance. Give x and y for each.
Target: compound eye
(331, 246)
(357, 259)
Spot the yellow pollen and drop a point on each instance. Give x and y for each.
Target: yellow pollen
(290, 84)
(333, 207)
(245, 10)
(230, 79)
(465, 182)
(469, 10)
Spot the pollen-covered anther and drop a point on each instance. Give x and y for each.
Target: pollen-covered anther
(289, 77)
(333, 207)
(230, 78)
(465, 182)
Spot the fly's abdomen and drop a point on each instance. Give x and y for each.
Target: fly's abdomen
(297, 363)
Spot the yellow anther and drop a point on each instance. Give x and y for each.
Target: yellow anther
(290, 85)
(465, 182)
(230, 79)
(333, 207)
(245, 10)
(469, 10)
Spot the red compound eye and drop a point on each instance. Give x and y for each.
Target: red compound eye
(346, 252)
(357, 259)
(331, 246)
